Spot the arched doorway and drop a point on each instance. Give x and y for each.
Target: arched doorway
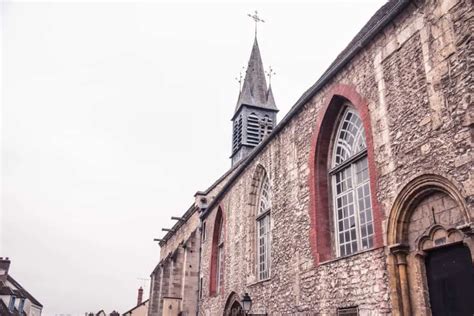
(236, 310)
(430, 238)
(232, 306)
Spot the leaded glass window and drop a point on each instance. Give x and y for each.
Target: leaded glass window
(263, 230)
(353, 221)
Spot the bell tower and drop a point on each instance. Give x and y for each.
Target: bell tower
(255, 113)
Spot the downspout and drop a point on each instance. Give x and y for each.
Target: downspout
(199, 296)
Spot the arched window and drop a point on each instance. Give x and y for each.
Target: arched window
(263, 229)
(217, 255)
(353, 220)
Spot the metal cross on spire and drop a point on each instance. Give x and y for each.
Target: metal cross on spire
(257, 19)
(270, 72)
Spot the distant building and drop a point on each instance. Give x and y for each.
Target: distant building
(14, 299)
(102, 313)
(142, 306)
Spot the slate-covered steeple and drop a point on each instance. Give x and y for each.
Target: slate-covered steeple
(255, 112)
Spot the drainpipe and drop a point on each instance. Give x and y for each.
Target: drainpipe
(199, 264)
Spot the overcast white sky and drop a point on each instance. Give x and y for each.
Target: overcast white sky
(115, 113)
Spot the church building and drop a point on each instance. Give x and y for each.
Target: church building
(358, 202)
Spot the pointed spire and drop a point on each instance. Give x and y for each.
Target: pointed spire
(270, 98)
(254, 90)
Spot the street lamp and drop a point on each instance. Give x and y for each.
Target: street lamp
(246, 303)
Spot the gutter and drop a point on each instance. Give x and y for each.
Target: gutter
(323, 80)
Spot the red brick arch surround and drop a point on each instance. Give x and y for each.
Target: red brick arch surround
(218, 225)
(319, 181)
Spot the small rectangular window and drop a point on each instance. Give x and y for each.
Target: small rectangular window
(348, 311)
(203, 231)
(11, 306)
(20, 307)
(200, 287)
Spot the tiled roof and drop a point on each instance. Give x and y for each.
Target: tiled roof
(132, 309)
(24, 293)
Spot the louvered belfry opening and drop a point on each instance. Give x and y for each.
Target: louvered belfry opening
(237, 135)
(255, 114)
(253, 129)
(266, 127)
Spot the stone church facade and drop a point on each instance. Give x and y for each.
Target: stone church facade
(359, 202)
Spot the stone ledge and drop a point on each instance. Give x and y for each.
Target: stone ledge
(327, 262)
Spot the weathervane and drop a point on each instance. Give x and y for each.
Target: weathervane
(239, 79)
(269, 74)
(257, 19)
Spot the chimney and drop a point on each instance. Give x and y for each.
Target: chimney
(140, 296)
(4, 266)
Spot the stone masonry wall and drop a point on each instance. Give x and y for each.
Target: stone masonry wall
(190, 276)
(191, 224)
(177, 273)
(416, 78)
(437, 208)
(180, 236)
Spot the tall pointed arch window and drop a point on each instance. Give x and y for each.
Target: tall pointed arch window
(217, 255)
(263, 229)
(220, 257)
(353, 220)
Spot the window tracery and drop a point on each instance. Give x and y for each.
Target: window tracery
(352, 207)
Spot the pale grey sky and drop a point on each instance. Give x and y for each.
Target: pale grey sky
(115, 113)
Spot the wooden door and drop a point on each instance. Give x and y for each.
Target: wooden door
(451, 281)
(236, 310)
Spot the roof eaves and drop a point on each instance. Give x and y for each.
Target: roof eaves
(216, 183)
(25, 292)
(133, 308)
(193, 207)
(273, 109)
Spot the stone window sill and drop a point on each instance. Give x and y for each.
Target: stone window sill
(349, 256)
(259, 282)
